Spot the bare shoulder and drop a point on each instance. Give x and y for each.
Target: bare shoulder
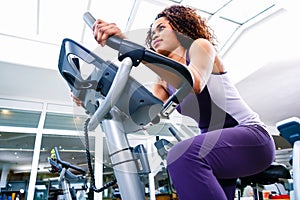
(202, 46)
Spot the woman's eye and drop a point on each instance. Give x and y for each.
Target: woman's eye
(161, 28)
(158, 30)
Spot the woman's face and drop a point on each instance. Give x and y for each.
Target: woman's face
(164, 39)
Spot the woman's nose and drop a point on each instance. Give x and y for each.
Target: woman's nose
(154, 35)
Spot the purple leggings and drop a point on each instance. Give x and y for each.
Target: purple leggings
(206, 166)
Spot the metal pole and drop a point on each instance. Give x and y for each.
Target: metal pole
(122, 158)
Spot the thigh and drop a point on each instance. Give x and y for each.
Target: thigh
(238, 151)
(230, 152)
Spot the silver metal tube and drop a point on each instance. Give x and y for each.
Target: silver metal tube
(64, 185)
(126, 170)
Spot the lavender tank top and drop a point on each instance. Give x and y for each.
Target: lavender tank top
(219, 105)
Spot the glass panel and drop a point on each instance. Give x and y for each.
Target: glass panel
(223, 29)
(16, 152)
(67, 21)
(19, 118)
(109, 12)
(143, 18)
(64, 121)
(72, 150)
(12, 10)
(241, 11)
(211, 6)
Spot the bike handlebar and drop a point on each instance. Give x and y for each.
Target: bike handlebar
(67, 164)
(113, 41)
(138, 53)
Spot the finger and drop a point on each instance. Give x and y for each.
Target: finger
(110, 30)
(97, 29)
(98, 34)
(97, 22)
(104, 37)
(108, 33)
(105, 31)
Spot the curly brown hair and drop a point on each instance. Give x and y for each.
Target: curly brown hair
(187, 24)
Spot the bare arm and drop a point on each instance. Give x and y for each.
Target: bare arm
(160, 90)
(202, 56)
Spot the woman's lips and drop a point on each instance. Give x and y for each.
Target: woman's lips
(156, 43)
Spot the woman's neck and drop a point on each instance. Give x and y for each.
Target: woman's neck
(178, 54)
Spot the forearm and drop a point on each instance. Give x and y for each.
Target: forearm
(166, 75)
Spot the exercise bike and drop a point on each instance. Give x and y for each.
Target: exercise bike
(119, 103)
(66, 177)
(290, 130)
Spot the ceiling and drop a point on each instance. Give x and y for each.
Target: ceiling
(41, 25)
(257, 39)
(30, 42)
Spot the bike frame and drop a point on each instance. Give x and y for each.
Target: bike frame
(65, 175)
(290, 130)
(65, 185)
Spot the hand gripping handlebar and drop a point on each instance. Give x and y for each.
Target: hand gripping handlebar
(113, 41)
(138, 53)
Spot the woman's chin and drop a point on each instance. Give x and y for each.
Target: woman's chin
(162, 51)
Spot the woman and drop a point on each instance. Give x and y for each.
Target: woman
(233, 141)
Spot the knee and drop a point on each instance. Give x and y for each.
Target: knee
(175, 159)
(177, 152)
(184, 153)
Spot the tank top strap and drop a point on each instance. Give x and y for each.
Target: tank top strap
(187, 57)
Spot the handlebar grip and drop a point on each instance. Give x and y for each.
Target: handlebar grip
(113, 41)
(89, 19)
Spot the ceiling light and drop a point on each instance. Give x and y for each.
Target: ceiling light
(5, 112)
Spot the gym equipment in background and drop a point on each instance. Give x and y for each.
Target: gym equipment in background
(290, 130)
